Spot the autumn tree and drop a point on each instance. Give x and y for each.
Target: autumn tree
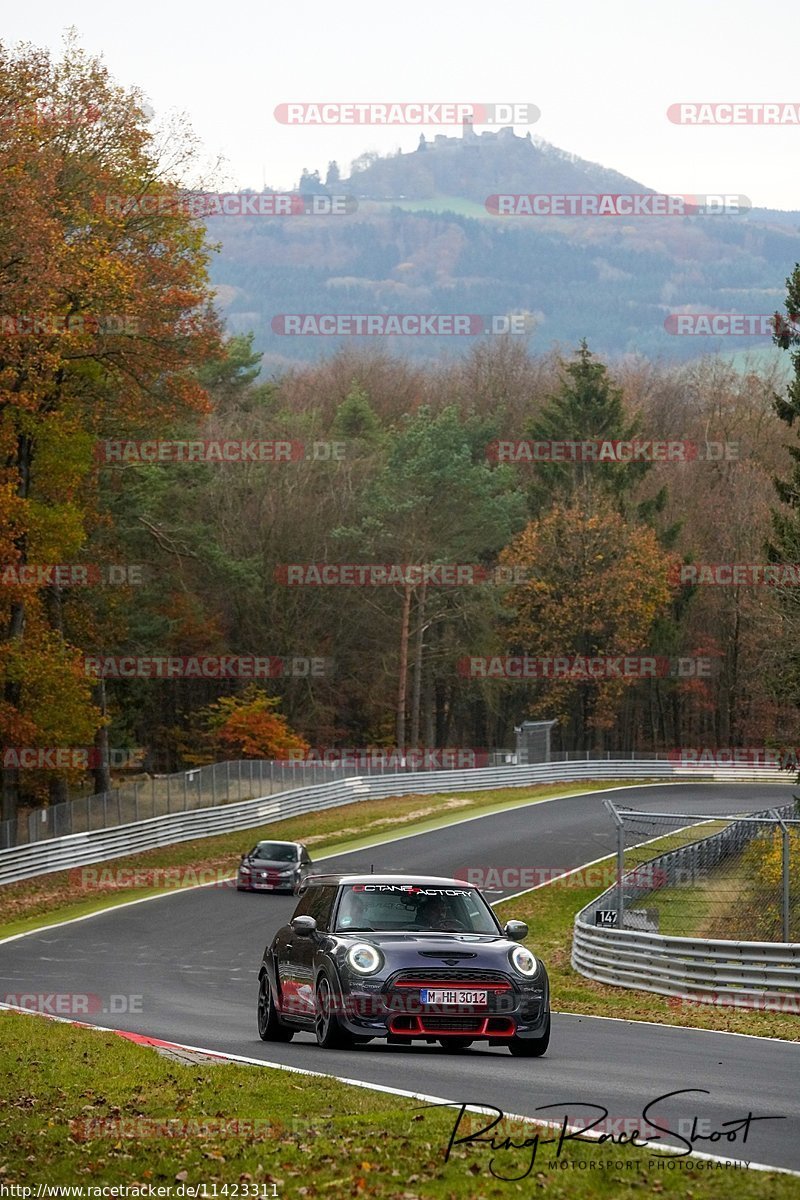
(594, 587)
(107, 317)
(243, 726)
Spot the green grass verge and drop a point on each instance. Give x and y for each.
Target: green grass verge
(550, 913)
(299, 1135)
(36, 902)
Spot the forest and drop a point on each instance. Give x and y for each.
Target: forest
(204, 558)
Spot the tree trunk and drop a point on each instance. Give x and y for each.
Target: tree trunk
(12, 690)
(417, 692)
(402, 674)
(102, 772)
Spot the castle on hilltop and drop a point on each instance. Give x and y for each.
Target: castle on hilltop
(470, 139)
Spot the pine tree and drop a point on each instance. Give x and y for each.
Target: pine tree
(588, 407)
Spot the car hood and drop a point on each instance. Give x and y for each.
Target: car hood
(267, 864)
(434, 948)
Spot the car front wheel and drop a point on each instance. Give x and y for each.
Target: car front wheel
(531, 1047)
(270, 1028)
(327, 1027)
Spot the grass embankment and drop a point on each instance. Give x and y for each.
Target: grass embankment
(550, 913)
(61, 895)
(308, 1137)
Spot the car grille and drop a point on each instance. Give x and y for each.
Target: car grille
(477, 1026)
(402, 991)
(423, 976)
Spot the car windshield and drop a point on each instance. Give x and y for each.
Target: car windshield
(276, 852)
(396, 906)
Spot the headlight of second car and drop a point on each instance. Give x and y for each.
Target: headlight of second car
(364, 959)
(523, 961)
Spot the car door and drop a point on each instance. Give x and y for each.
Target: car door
(305, 949)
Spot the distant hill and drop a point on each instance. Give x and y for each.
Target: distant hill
(422, 241)
(477, 165)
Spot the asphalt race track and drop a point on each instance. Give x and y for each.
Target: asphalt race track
(193, 957)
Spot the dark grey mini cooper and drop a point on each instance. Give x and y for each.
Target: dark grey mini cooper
(402, 957)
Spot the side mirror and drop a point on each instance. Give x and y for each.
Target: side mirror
(304, 926)
(516, 931)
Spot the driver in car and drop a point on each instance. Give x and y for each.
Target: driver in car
(356, 914)
(437, 914)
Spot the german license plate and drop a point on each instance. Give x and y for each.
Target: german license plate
(452, 996)
(269, 887)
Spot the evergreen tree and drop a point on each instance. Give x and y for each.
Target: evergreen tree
(587, 408)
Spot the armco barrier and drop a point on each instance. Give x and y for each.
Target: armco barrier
(80, 849)
(762, 975)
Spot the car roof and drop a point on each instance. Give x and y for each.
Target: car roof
(276, 842)
(417, 880)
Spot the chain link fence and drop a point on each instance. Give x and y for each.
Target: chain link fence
(735, 877)
(212, 785)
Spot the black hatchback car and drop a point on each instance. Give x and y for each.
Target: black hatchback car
(402, 957)
(273, 867)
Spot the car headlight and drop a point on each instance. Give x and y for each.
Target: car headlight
(364, 958)
(524, 962)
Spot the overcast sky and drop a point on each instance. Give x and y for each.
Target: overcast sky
(602, 72)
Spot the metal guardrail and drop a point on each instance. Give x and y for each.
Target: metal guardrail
(747, 973)
(93, 846)
(215, 784)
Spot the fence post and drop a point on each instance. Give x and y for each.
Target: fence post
(620, 862)
(784, 873)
